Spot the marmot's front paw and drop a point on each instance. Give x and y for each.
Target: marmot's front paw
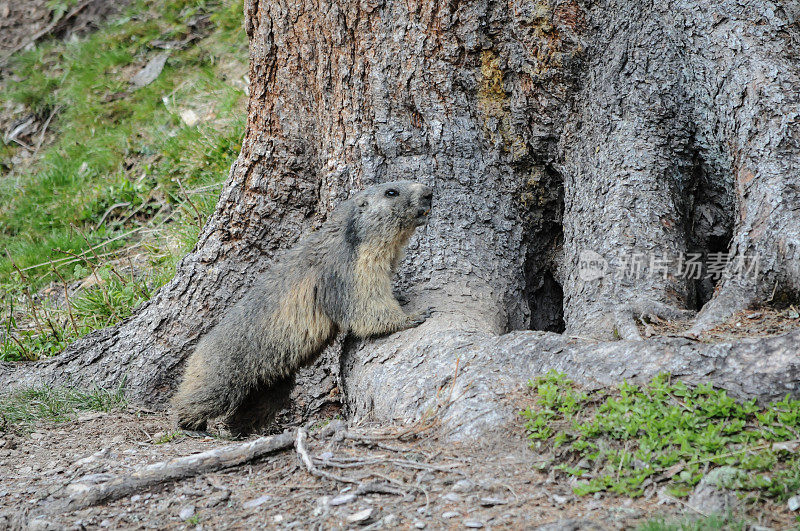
(416, 319)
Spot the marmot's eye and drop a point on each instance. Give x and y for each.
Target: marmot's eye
(391, 192)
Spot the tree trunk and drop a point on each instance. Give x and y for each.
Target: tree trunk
(552, 132)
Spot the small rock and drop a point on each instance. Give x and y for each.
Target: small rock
(37, 435)
(261, 500)
(83, 417)
(754, 315)
(189, 117)
(390, 520)
(217, 498)
(25, 470)
(419, 524)
(360, 517)
(570, 524)
(135, 498)
(150, 72)
(92, 458)
(794, 503)
(105, 523)
(452, 497)
(473, 524)
(463, 486)
(278, 518)
(425, 477)
(186, 512)
(39, 524)
(450, 514)
(490, 502)
(342, 499)
(560, 500)
(789, 446)
(325, 455)
(712, 494)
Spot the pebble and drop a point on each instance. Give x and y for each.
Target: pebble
(135, 498)
(489, 502)
(186, 512)
(473, 524)
(342, 499)
(560, 500)
(463, 485)
(425, 477)
(452, 496)
(105, 523)
(419, 524)
(261, 500)
(794, 503)
(450, 514)
(360, 516)
(217, 498)
(189, 117)
(278, 518)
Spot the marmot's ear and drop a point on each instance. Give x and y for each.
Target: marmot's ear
(361, 202)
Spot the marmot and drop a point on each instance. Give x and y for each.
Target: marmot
(337, 278)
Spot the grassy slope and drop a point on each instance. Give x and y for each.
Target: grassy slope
(111, 145)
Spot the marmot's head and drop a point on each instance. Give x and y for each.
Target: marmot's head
(390, 210)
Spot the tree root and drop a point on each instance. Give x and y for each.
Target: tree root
(79, 495)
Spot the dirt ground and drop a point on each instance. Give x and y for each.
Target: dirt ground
(439, 484)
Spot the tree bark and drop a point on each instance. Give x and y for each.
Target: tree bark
(546, 129)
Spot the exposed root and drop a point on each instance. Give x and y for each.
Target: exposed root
(77, 495)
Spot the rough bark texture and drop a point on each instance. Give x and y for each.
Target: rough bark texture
(466, 376)
(546, 129)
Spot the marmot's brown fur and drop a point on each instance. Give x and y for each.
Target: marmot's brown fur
(337, 278)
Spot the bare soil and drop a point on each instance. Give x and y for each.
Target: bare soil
(492, 483)
(755, 323)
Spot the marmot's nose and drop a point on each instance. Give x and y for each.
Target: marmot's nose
(427, 196)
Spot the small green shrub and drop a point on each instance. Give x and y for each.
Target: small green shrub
(633, 437)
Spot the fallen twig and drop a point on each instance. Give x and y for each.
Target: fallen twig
(300, 447)
(44, 129)
(110, 210)
(87, 251)
(78, 495)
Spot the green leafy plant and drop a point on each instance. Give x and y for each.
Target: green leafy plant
(666, 432)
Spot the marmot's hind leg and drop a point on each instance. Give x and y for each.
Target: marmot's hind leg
(197, 402)
(258, 409)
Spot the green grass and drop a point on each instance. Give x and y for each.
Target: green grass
(711, 523)
(114, 145)
(23, 408)
(664, 433)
